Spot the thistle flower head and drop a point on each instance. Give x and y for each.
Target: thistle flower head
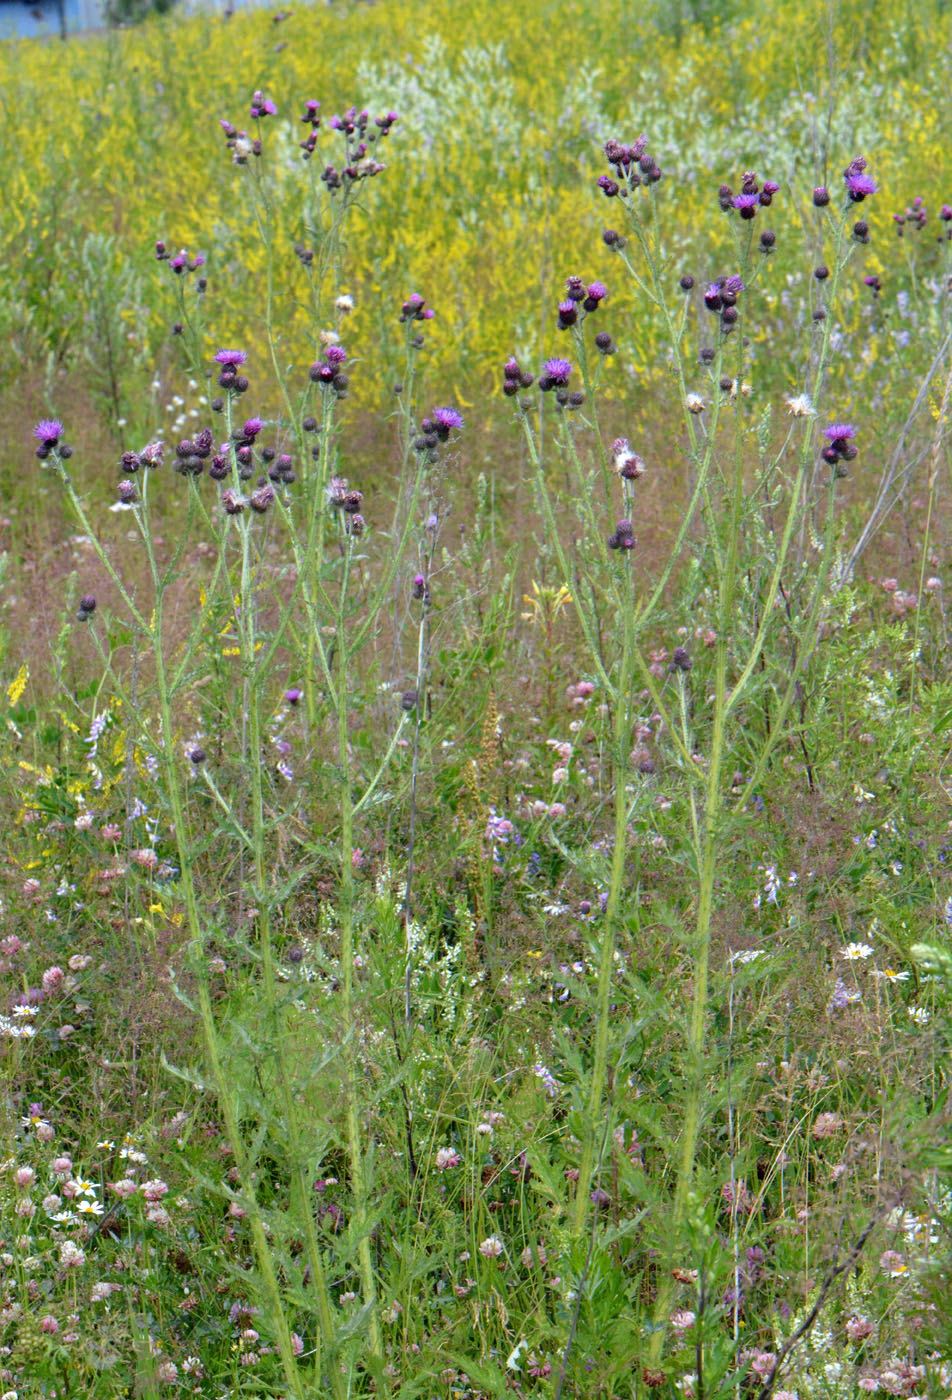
(858, 183)
(230, 357)
(558, 371)
(48, 431)
(839, 432)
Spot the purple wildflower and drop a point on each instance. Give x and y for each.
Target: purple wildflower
(596, 291)
(293, 695)
(568, 314)
(252, 428)
(230, 357)
(839, 432)
(336, 354)
(48, 431)
(733, 286)
(858, 183)
(746, 204)
(447, 418)
(262, 106)
(557, 371)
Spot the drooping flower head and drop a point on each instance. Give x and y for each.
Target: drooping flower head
(48, 431)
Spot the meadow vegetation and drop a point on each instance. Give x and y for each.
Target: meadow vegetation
(476, 719)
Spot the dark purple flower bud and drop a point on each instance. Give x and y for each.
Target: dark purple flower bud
(861, 231)
(87, 603)
(712, 297)
(686, 282)
(821, 273)
(568, 314)
(767, 240)
(419, 589)
(198, 756)
(821, 196)
(575, 288)
(127, 492)
(608, 186)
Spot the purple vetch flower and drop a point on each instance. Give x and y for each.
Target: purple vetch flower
(555, 373)
(234, 358)
(48, 432)
(858, 183)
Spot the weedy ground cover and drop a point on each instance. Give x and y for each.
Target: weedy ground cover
(476, 867)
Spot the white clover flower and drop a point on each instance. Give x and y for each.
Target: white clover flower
(492, 1247)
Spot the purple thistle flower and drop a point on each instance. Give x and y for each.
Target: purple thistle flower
(558, 371)
(839, 432)
(858, 183)
(252, 427)
(48, 431)
(568, 314)
(746, 204)
(771, 187)
(596, 291)
(335, 354)
(230, 357)
(945, 213)
(733, 286)
(262, 106)
(447, 418)
(293, 695)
